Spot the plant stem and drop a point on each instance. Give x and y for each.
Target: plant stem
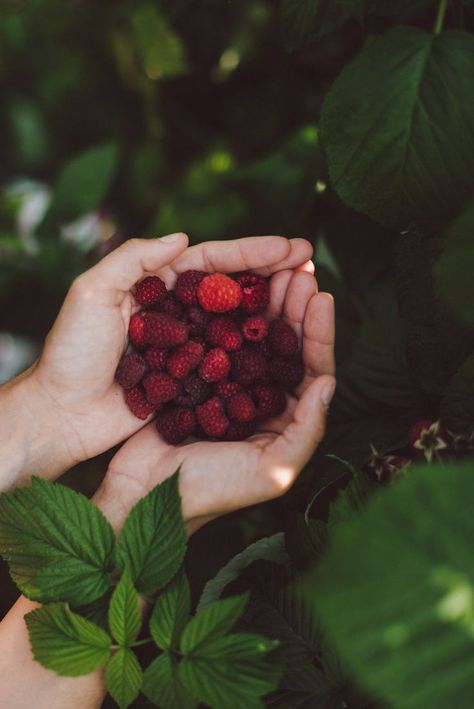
(442, 7)
(145, 641)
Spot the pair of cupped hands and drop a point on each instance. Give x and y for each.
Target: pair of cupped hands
(75, 410)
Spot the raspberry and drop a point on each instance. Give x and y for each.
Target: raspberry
(150, 291)
(136, 330)
(185, 359)
(219, 293)
(174, 425)
(130, 370)
(170, 306)
(287, 372)
(163, 331)
(226, 389)
(215, 365)
(282, 338)
(240, 407)
(160, 387)
(239, 430)
(248, 366)
(211, 417)
(155, 357)
(270, 402)
(427, 438)
(186, 286)
(255, 328)
(263, 347)
(198, 320)
(223, 332)
(137, 403)
(255, 292)
(194, 390)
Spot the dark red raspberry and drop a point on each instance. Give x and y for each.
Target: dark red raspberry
(264, 348)
(225, 389)
(185, 359)
(211, 417)
(136, 330)
(150, 291)
(218, 293)
(255, 328)
(427, 438)
(163, 331)
(170, 306)
(194, 390)
(160, 387)
(270, 401)
(248, 366)
(255, 292)
(287, 372)
(186, 286)
(175, 425)
(240, 407)
(130, 370)
(215, 365)
(223, 332)
(239, 430)
(282, 338)
(156, 357)
(137, 403)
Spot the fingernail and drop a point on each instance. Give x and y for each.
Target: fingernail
(328, 392)
(170, 238)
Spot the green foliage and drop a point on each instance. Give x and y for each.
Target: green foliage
(306, 21)
(123, 677)
(171, 612)
(160, 48)
(163, 687)
(212, 622)
(124, 612)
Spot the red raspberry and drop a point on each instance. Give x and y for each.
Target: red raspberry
(255, 328)
(136, 330)
(194, 390)
(137, 403)
(219, 293)
(239, 430)
(223, 332)
(198, 320)
(263, 347)
(170, 306)
(248, 366)
(160, 387)
(287, 372)
(215, 365)
(156, 357)
(226, 389)
(211, 417)
(187, 285)
(163, 331)
(175, 425)
(130, 370)
(427, 438)
(150, 291)
(255, 292)
(185, 359)
(240, 407)
(282, 338)
(270, 401)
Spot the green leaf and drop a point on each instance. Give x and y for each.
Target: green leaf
(307, 688)
(411, 610)
(212, 622)
(123, 677)
(385, 120)
(153, 539)
(65, 642)
(57, 544)
(171, 612)
(162, 686)
(160, 48)
(124, 612)
(307, 21)
(269, 549)
(236, 646)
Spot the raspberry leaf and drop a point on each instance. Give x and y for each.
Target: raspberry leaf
(57, 544)
(153, 539)
(65, 642)
(124, 613)
(123, 677)
(307, 21)
(213, 622)
(162, 686)
(171, 612)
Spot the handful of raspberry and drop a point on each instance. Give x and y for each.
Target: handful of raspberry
(206, 360)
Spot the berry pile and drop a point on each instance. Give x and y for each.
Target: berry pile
(205, 358)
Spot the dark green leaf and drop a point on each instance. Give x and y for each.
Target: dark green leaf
(57, 544)
(306, 21)
(457, 405)
(171, 612)
(159, 47)
(65, 642)
(306, 688)
(212, 622)
(153, 539)
(162, 686)
(123, 677)
(124, 612)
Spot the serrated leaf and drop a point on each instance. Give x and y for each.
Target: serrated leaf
(162, 686)
(123, 677)
(57, 544)
(65, 642)
(236, 646)
(306, 21)
(152, 542)
(124, 612)
(384, 122)
(214, 621)
(307, 688)
(171, 612)
(411, 610)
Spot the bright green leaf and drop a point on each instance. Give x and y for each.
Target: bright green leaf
(236, 646)
(123, 677)
(162, 686)
(153, 539)
(57, 544)
(212, 622)
(124, 612)
(65, 642)
(306, 21)
(385, 120)
(401, 609)
(171, 612)
(160, 48)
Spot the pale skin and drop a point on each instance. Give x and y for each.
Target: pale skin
(67, 408)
